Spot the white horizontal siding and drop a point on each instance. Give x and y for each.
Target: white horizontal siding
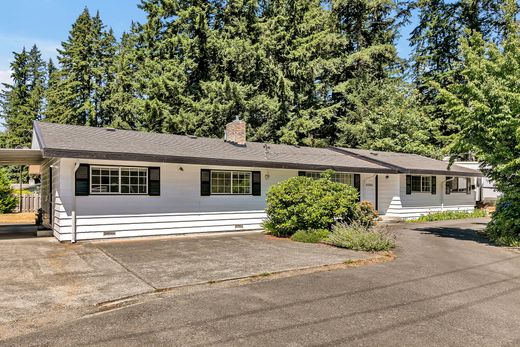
(127, 226)
(408, 206)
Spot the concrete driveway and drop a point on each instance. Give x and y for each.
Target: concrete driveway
(447, 287)
(44, 282)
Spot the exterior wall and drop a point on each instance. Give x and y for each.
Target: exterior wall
(486, 190)
(417, 204)
(389, 193)
(179, 209)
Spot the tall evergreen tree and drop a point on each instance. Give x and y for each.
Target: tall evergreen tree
(22, 101)
(436, 50)
(80, 87)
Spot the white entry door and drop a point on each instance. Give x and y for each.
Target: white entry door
(370, 190)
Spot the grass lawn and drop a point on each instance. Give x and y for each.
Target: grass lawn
(22, 218)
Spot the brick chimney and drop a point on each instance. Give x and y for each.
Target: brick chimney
(236, 132)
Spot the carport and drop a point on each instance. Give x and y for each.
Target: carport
(19, 157)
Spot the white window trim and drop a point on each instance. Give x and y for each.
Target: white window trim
(335, 173)
(422, 191)
(232, 172)
(465, 191)
(101, 167)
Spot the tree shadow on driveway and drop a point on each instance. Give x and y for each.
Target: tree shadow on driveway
(465, 234)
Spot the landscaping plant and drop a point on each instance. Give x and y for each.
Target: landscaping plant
(449, 215)
(7, 198)
(358, 237)
(366, 214)
(304, 203)
(504, 228)
(310, 236)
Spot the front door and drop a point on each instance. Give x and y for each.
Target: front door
(370, 190)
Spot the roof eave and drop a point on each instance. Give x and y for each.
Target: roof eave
(63, 153)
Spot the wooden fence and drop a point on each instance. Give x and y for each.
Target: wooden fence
(30, 203)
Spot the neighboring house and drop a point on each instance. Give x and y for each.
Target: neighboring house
(105, 183)
(486, 192)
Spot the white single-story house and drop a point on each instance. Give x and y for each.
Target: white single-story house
(105, 183)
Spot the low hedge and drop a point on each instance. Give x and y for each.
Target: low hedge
(449, 215)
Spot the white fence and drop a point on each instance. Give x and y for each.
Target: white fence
(30, 203)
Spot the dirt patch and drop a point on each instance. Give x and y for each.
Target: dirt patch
(22, 218)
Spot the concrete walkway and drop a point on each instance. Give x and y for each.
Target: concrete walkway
(447, 287)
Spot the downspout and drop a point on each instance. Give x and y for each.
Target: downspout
(443, 191)
(73, 212)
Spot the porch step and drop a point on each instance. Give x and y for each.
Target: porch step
(44, 233)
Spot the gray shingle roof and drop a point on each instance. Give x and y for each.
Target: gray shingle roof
(410, 163)
(69, 141)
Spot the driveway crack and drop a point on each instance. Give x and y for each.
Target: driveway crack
(128, 269)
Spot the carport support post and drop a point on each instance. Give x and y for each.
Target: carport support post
(73, 212)
(21, 189)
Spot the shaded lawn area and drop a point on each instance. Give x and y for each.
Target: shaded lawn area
(23, 218)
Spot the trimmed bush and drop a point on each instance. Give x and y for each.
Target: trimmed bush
(449, 215)
(7, 199)
(357, 237)
(303, 203)
(365, 214)
(504, 227)
(310, 236)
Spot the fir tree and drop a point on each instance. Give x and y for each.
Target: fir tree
(80, 88)
(22, 101)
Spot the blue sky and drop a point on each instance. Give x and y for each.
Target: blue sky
(47, 22)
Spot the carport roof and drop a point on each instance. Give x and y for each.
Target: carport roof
(20, 156)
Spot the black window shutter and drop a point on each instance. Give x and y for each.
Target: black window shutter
(154, 181)
(205, 182)
(301, 173)
(448, 185)
(357, 184)
(468, 185)
(408, 184)
(82, 186)
(256, 183)
(434, 185)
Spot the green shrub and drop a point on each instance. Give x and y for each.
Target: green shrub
(365, 214)
(359, 238)
(7, 200)
(448, 215)
(310, 236)
(504, 227)
(303, 203)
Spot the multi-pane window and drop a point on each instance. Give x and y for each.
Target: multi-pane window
(421, 184)
(230, 182)
(340, 177)
(118, 180)
(459, 185)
